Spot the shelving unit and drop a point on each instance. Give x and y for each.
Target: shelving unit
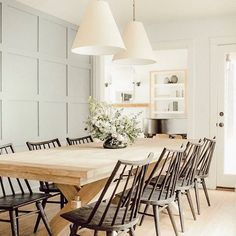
(168, 94)
(169, 112)
(169, 85)
(168, 98)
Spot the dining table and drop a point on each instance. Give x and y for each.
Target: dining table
(79, 171)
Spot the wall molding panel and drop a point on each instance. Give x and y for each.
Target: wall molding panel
(44, 88)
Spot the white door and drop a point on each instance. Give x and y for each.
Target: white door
(226, 115)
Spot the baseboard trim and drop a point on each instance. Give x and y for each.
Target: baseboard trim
(219, 188)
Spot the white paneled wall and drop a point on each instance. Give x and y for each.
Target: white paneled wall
(44, 88)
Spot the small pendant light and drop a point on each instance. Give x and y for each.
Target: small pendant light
(98, 33)
(138, 48)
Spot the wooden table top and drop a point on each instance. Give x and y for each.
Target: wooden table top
(78, 165)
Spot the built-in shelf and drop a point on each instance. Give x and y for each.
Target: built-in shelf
(169, 99)
(170, 85)
(168, 94)
(130, 105)
(168, 112)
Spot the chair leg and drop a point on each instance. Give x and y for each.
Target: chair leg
(62, 200)
(110, 233)
(191, 203)
(44, 217)
(172, 219)
(131, 232)
(156, 219)
(44, 202)
(197, 196)
(17, 221)
(180, 206)
(13, 220)
(205, 191)
(143, 216)
(73, 230)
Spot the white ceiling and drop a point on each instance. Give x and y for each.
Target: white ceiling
(148, 11)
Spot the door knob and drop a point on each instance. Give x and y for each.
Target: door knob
(221, 124)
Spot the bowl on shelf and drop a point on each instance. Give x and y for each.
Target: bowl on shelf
(173, 79)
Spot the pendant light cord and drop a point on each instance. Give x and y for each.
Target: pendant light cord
(134, 13)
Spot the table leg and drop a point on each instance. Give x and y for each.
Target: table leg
(76, 197)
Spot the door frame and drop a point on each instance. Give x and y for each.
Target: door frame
(214, 44)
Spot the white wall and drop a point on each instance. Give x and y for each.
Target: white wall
(197, 36)
(175, 59)
(43, 86)
(122, 77)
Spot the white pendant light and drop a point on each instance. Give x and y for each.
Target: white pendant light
(138, 48)
(98, 33)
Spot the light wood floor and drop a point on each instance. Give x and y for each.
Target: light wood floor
(217, 220)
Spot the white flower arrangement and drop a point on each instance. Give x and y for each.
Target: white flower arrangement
(105, 122)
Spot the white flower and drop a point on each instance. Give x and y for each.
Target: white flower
(105, 121)
(120, 138)
(114, 135)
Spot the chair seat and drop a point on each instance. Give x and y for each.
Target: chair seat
(145, 198)
(49, 188)
(155, 199)
(161, 179)
(80, 217)
(18, 200)
(183, 185)
(180, 185)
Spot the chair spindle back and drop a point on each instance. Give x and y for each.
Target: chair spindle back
(127, 176)
(166, 174)
(53, 143)
(12, 186)
(81, 140)
(32, 146)
(189, 164)
(206, 155)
